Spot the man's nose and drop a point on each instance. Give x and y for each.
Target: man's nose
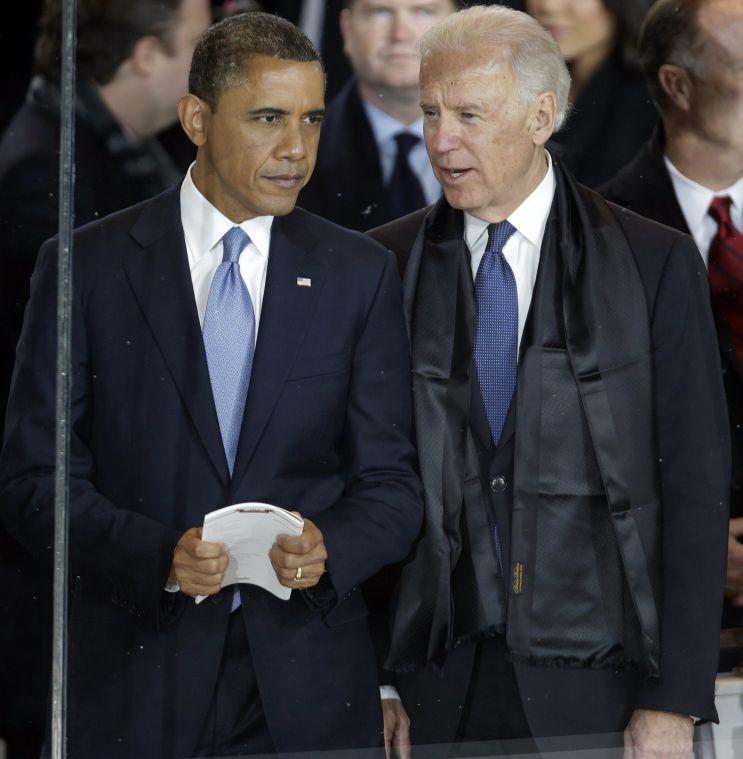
(441, 137)
(402, 28)
(293, 144)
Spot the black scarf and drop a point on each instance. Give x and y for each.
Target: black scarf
(602, 376)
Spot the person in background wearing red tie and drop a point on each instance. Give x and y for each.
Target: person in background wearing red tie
(690, 176)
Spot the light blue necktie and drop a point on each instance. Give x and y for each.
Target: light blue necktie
(496, 335)
(229, 340)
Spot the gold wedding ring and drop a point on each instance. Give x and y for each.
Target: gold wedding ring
(298, 574)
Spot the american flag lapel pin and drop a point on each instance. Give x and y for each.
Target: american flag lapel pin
(304, 282)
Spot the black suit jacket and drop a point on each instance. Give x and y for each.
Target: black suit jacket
(562, 700)
(644, 186)
(347, 185)
(326, 431)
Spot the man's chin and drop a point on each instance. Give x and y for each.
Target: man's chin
(278, 205)
(458, 199)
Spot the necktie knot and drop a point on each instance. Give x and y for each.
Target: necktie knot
(405, 143)
(234, 242)
(719, 210)
(498, 235)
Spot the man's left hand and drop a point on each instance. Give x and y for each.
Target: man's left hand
(290, 553)
(658, 735)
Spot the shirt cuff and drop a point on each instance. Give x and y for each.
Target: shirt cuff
(172, 586)
(388, 692)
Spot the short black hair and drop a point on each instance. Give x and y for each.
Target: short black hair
(670, 34)
(107, 31)
(221, 58)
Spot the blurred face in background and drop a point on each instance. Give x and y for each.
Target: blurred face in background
(382, 38)
(172, 59)
(716, 92)
(580, 27)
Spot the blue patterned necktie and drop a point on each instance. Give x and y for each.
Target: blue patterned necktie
(496, 337)
(229, 340)
(497, 332)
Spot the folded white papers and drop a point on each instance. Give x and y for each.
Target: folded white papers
(248, 530)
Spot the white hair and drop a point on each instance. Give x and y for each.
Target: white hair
(536, 61)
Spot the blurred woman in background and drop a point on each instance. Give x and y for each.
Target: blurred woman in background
(613, 114)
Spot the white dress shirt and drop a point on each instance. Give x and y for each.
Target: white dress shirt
(203, 227)
(384, 128)
(695, 200)
(521, 251)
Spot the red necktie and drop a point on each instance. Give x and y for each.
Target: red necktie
(726, 271)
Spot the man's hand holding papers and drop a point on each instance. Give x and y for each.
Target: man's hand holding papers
(299, 560)
(198, 566)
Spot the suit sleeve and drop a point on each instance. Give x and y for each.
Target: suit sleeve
(380, 514)
(694, 451)
(116, 553)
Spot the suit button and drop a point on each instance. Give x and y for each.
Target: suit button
(217, 598)
(498, 484)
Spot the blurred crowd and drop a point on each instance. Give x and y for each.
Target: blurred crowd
(654, 124)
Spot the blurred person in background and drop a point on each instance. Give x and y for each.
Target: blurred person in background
(612, 113)
(372, 165)
(689, 176)
(132, 67)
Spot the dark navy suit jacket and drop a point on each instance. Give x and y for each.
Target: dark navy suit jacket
(326, 432)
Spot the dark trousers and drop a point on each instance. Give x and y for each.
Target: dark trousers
(493, 722)
(235, 724)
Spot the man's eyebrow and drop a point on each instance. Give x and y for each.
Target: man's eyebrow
(458, 107)
(270, 111)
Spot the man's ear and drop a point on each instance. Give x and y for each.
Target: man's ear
(676, 84)
(194, 114)
(542, 118)
(145, 54)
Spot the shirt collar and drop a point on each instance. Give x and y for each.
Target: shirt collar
(384, 127)
(204, 225)
(530, 218)
(695, 199)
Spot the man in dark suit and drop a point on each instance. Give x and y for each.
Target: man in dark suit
(569, 578)
(165, 359)
(132, 66)
(693, 163)
(372, 165)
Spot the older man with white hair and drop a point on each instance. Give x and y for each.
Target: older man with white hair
(571, 427)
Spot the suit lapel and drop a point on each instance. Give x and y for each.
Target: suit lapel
(162, 285)
(285, 317)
